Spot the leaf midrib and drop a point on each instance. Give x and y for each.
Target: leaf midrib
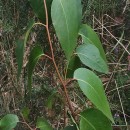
(86, 38)
(65, 21)
(88, 122)
(89, 58)
(92, 88)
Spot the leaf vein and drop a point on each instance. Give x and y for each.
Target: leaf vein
(65, 21)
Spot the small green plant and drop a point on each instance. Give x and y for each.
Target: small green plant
(8, 122)
(66, 17)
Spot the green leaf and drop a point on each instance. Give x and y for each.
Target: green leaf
(42, 124)
(90, 56)
(66, 17)
(20, 45)
(8, 122)
(35, 54)
(74, 64)
(19, 55)
(25, 113)
(50, 99)
(38, 8)
(93, 119)
(29, 27)
(92, 87)
(90, 36)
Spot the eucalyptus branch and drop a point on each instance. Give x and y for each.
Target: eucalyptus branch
(53, 59)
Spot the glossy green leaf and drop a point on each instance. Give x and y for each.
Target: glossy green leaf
(90, 56)
(38, 8)
(8, 122)
(42, 124)
(92, 87)
(66, 17)
(35, 54)
(90, 36)
(74, 64)
(19, 55)
(20, 45)
(93, 119)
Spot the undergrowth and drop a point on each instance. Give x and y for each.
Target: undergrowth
(109, 18)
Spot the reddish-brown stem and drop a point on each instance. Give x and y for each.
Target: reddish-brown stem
(65, 113)
(68, 81)
(26, 125)
(53, 59)
(48, 33)
(25, 122)
(47, 56)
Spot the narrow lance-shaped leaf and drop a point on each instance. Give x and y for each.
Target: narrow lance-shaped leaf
(8, 122)
(38, 8)
(19, 55)
(42, 124)
(29, 27)
(90, 56)
(93, 119)
(90, 36)
(35, 54)
(92, 87)
(66, 17)
(20, 45)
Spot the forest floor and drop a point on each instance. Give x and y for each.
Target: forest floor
(110, 19)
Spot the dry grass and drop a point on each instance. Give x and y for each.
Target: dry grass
(112, 32)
